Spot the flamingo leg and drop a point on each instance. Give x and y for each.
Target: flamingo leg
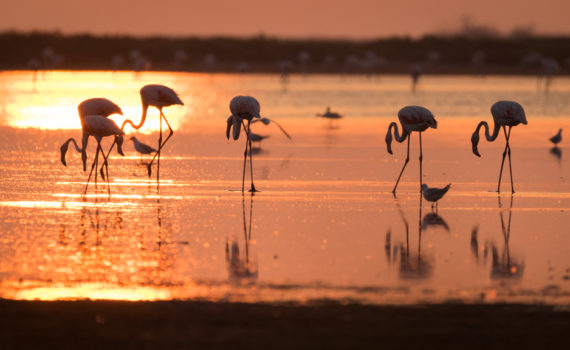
(106, 166)
(252, 189)
(503, 161)
(404, 167)
(244, 163)
(421, 158)
(90, 174)
(507, 136)
(160, 145)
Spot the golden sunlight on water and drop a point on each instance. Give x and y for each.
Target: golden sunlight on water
(325, 224)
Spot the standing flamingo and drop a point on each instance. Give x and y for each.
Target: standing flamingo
(159, 96)
(505, 113)
(243, 107)
(412, 118)
(97, 126)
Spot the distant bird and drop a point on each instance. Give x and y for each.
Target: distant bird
(159, 96)
(415, 71)
(142, 148)
(257, 137)
(556, 138)
(243, 108)
(433, 194)
(97, 126)
(329, 115)
(412, 118)
(505, 113)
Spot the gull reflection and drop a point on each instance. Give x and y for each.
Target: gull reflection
(556, 152)
(434, 220)
(504, 266)
(412, 266)
(241, 266)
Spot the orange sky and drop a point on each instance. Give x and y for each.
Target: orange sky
(284, 18)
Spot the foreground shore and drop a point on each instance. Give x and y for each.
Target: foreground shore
(195, 324)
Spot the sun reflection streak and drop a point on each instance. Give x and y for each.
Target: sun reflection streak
(93, 291)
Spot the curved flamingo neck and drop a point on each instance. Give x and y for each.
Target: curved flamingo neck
(488, 136)
(141, 123)
(397, 136)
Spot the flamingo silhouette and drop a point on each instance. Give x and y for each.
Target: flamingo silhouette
(505, 113)
(97, 126)
(412, 118)
(243, 107)
(90, 113)
(159, 96)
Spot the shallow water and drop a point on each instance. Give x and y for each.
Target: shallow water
(325, 224)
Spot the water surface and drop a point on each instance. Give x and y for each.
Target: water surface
(325, 224)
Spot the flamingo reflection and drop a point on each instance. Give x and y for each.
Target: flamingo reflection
(242, 268)
(504, 266)
(410, 267)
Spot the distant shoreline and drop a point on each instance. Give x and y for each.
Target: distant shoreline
(435, 55)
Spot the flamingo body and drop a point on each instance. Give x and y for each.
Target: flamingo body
(245, 107)
(416, 118)
(159, 96)
(508, 113)
(99, 126)
(98, 106)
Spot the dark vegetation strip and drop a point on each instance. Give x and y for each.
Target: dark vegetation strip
(80, 52)
(199, 325)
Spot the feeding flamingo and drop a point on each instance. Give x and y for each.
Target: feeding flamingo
(101, 107)
(505, 113)
(243, 107)
(412, 118)
(159, 96)
(97, 126)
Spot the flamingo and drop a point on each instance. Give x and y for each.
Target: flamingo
(505, 113)
(433, 194)
(243, 107)
(97, 126)
(159, 96)
(412, 118)
(93, 107)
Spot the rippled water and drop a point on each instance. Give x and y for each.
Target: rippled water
(325, 224)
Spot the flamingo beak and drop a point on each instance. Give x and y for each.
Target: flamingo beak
(474, 143)
(230, 123)
(63, 150)
(119, 140)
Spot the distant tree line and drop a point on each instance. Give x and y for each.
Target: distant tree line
(442, 54)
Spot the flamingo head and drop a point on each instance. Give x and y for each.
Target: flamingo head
(389, 140)
(63, 150)
(234, 122)
(119, 140)
(475, 142)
